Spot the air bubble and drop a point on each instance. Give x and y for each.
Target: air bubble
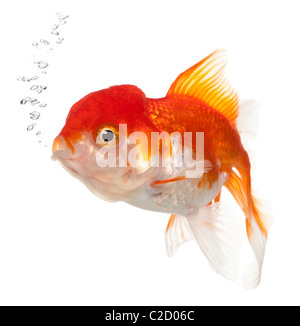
(43, 64)
(30, 127)
(34, 101)
(22, 78)
(34, 115)
(44, 41)
(60, 39)
(63, 16)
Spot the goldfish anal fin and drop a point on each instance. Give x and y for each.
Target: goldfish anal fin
(206, 81)
(217, 233)
(177, 233)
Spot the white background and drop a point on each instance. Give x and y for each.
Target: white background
(59, 244)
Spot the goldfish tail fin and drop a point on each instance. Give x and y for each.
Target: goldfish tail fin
(257, 222)
(258, 226)
(217, 233)
(177, 233)
(206, 81)
(247, 120)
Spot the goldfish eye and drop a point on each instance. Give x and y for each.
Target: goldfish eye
(107, 136)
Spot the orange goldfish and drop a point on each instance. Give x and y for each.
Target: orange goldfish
(201, 101)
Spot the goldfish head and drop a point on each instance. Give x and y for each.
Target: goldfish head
(92, 133)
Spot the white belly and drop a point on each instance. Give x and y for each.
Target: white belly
(178, 197)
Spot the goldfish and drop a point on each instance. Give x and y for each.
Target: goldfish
(105, 143)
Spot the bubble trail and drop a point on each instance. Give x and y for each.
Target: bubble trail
(56, 28)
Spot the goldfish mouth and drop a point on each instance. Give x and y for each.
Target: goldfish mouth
(61, 143)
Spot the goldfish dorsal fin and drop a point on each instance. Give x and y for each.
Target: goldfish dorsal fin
(206, 81)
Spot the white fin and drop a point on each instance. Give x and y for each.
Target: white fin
(217, 233)
(177, 233)
(247, 120)
(247, 126)
(258, 241)
(252, 274)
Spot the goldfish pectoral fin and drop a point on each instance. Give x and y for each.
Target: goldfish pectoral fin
(160, 182)
(217, 233)
(205, 81)
(177, 233)
(194, 171)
